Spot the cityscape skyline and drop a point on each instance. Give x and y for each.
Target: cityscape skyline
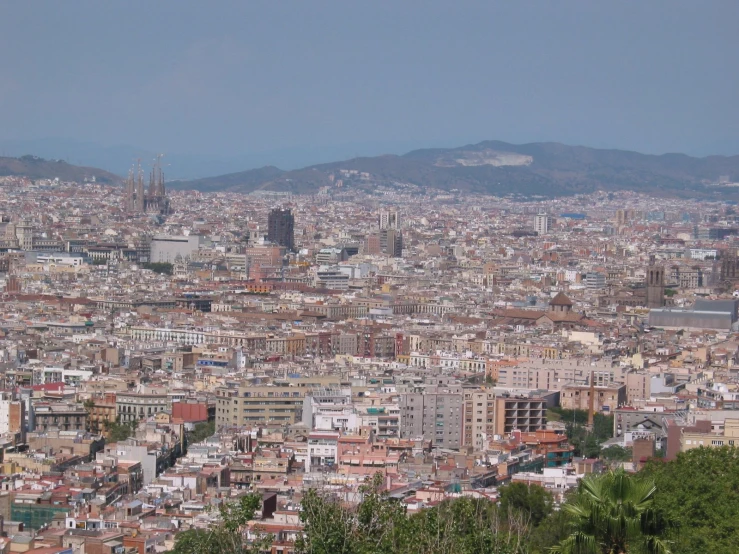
(474, 347)
(183, 349)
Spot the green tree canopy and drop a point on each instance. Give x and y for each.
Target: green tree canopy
(202, 431)
(226, 538)
(118, 431)
(616, 453)
(380, 525)
(532, 501)
(159, 267)
(587, 442)
(615, 513)
(701, 490)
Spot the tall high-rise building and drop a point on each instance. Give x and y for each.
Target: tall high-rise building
(728, 267)
(281, 228)
(391, 243)
(542, 223)
(389, 219)
(655, 286)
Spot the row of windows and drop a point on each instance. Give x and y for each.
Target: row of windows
(250, 400)
(271, 394)
(268, 404)
(140, 401)
(132, 409)
(714, 442)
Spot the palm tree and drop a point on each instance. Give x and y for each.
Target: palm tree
(614, 513)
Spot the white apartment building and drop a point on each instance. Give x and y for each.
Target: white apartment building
(542, 223)
(331, 278)
(49, 374)
(323, 447)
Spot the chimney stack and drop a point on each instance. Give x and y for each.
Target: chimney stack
(591, 400)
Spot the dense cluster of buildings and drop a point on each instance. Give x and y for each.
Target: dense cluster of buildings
(431, 337)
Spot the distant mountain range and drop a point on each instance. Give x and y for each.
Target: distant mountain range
(120, 158)
(498, 168)
(491, 167)
(39, 168)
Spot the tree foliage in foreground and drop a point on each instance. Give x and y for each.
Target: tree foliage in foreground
(615, 513)
(377, 525)
(616, 453)
(686, 506)
(701, 490)
(381, 526)
(227, 538)
(533, 502)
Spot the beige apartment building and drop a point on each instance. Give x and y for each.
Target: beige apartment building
(281, 402)
(290, 345)
(337, 311)
(132, 406)
(605, 399)
(556, 374)
(692, 438)
(486, 415)
(478, 417)
(638, 386)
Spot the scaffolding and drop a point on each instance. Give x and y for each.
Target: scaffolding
(35, 516)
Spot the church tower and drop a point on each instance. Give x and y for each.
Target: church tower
(655, 285)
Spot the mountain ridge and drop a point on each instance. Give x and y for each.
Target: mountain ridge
(498, 168)
(35, 167)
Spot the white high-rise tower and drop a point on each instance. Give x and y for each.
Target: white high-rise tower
(542, 223)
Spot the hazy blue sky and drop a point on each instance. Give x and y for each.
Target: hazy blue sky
(313, 79)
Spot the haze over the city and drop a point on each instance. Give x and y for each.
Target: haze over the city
(232, 85)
